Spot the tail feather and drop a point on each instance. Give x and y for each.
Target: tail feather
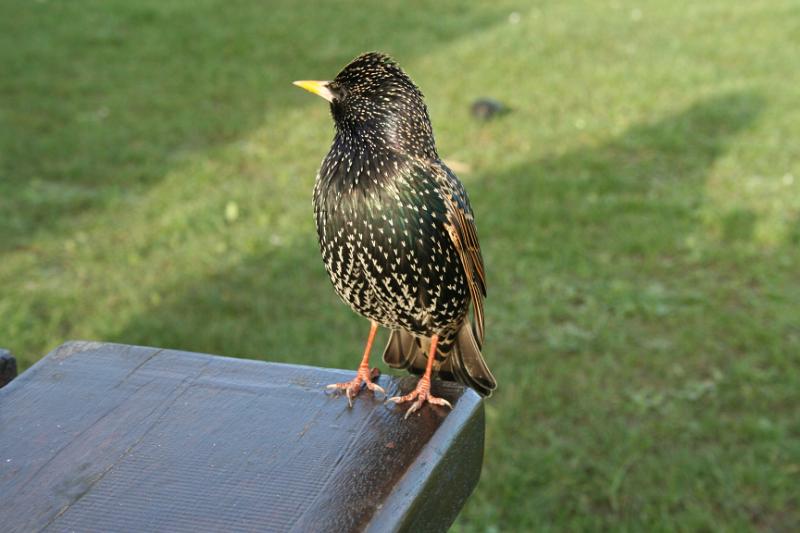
(402, 350)
(464, 362)
(467, 364)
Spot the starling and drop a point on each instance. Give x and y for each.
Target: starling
(486, 109)
(396, 232)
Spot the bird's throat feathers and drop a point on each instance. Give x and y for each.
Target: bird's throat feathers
(384, 131)
(352, 172)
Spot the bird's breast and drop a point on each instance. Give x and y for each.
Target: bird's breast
(384, 243)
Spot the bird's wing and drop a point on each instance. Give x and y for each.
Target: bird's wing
(461, 227)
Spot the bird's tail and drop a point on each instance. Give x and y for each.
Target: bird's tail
(463, 363)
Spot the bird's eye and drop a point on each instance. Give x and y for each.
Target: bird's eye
(338, 90)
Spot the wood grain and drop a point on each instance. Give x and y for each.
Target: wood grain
(108, 437)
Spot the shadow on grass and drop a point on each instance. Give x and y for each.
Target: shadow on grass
(102, 106)
(277, 305)
(635, 196)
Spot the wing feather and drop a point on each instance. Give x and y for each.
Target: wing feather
(464, 234)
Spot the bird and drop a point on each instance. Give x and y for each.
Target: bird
(485, 109)
(397, 233)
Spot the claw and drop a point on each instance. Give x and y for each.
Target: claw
(374, 387)
(353, 387)
(414, 408)
(420, 394)
(439, 401)
(364, 375)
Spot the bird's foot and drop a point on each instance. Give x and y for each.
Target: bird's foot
(363, 377)
(421, 394)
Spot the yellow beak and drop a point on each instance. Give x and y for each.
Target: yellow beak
(320, 88)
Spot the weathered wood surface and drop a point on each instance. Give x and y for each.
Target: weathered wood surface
(106, 437)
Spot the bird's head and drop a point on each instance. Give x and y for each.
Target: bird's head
(374, 103)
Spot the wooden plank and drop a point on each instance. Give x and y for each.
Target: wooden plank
(108, 437)
(8, 367)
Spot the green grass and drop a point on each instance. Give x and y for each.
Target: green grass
(639, 211)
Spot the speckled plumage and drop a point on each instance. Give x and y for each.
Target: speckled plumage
(395, 226)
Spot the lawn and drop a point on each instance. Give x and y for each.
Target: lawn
(639, 210)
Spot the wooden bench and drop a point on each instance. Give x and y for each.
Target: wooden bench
(109, 437)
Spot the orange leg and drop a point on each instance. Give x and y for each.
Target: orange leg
(363, 376)
(422, 393)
